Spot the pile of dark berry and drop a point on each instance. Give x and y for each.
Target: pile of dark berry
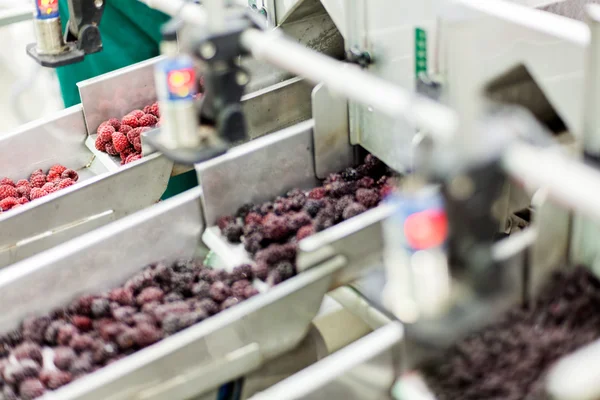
(14, 195)
(271, 231)
(508, 360)
(96, 330)
(122, 137)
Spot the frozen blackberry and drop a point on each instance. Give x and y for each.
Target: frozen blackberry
(209, 275)
(312, 207)
(4, 352)
(274, 278)
(100, 307)
(145, 334)
(353, 210)
(266, 208)
(161, 274)
(286, 269)
(305, 232)
(182, 283)
(250, 291)
(81, 343)
(34, 328)
(367, 197)
(53, 379)
(104, 351)
(149, 295)
(64, 357)
(173, 297)
(28, 350)
(201, 289)
(350, 174)
(341, 205)
(82, 364)
(124, 314)
(339, 189)
(219, 291)
(164, 310)
(242, 272)
(82, 305)
(144, 318)
(233, 232)
(238, 288)
(122, 296)
(126, 339)
(332, 178)
(110, 330)
(260, 270)
(177, 322)
(65, 333)
(244, 210)
(298, 220)
(275, 228)
(51, 334)
(15, 373)
(208, 306)
(253, 242)
(275, 253)
(31, 388)
(253, 218)
(324, 221)
(139, 282)
(366, 182)
(229, 302)
(222, 222)
(82, 323)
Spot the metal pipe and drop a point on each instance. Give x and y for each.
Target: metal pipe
(350, 81)
(14, 15)
(568, 181)
(591, 122)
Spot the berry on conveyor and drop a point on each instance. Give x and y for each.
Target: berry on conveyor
(16, 372)
(119, 141)
(154, 110)
(305, 232)
(201, 289)
(115, 123)
(82, 364)
(105, 132)
(31, 388)
(229, 302)
(122, 296)
(8, 203)
(81, 342)
(250, 292)
(28, 350)
(137, 113)
(82, 322)
(219, 291)
(242, 272)
(145, 334)
(70, 174)
(64, 357)
(150, 294)
(353, 210)
(65, 333)
(7, 191)
(233, 232)
(37, 193)
(124, 129)
(7, 181)
(130, 120)
(53, 379)
(239, 287)
(110, 149)
(51, 334)
(34, 328)
(261, 270)
(148, 120)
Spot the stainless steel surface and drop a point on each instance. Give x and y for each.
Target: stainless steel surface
(333, 151)
(294, 10)
(365, 369)
(359, 240)
(569, 8)
(258, 171)
(591, 120)
(16, 14)
(277, 107)
(249, 334)
(48, 33)
(351, 82)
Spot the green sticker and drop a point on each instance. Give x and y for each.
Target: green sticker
(420, 52)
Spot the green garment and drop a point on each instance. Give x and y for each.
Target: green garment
(130, 33)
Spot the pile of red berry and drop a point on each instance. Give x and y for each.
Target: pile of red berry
(97, 330)
(13, 195)
(122, 138)
(271, 231)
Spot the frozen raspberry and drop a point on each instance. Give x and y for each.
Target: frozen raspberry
(122, 296)
(149, 295)
(82, 323)
(64, 357)
(154, 110)
(126, 153)
(105, 133)
(115, 123)
(65, 183)
(146, 109)
(23, 182)
(353, 210)
(7, 181)
(8, 191)
(137, 113)
(65, 333)
(57, 169)
(23, 193)
(99, 144)
(242, 272)
(178, 307)
(29, 389)
(133, 157)
(37, 193)
(48, 187)
(317, 193)
(100, 308)
(148, 120)
(15, 373)
(82, 364)
(229, 302)
(143, 318)
(28, 350)
(81, 343)
(70, 174)
(219, 291)
(130, 120)
(252, 243)
(51, 334)
(8, 203)
(126, 339)
(238, 288)
(53, 379)
(124, 314)
(253, 218)
(120, 141)
(34, 328)
(305, 232)
(312, 207)
(201, 289)
(144, 335)
(124, 129)
(110, 149)
(275, 227)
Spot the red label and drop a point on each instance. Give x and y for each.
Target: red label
(426, 229)
(182, 82)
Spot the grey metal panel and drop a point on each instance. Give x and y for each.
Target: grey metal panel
(258, 171)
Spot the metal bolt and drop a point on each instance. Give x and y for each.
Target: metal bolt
(461, 187)
(98, 3)
(208, 50)
(241, 78)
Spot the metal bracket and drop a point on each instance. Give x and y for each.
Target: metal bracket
(333, 151)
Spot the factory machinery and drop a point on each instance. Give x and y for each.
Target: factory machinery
(486, 109)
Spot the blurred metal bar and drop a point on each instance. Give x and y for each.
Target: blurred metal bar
(591, 127)
(17, 14)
